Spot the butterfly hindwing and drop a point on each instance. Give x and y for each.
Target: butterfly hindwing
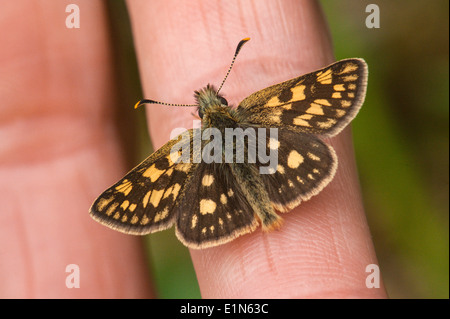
(305, 166)
(321, 102)
(215, 210)
(144, 200)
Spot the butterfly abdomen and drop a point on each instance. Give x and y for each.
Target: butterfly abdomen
(252, 186)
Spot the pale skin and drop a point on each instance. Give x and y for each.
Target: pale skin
(59, 149)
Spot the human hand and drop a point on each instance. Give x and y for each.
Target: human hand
(60, 150)
(324, 246)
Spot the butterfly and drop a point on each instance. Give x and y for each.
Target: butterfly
(220, 190)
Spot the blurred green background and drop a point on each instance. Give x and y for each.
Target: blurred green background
(401, 139)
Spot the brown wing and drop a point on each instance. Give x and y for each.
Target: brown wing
(304, 166)
(215, 211)
(144, 200)
(321, 102)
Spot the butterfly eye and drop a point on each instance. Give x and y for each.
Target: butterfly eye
(223, 101)
(200, 112)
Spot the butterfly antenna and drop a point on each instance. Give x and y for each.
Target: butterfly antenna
(239, 47)
(141, 102)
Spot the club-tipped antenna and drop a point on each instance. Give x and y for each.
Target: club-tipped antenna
(162, 103)
(239, 47)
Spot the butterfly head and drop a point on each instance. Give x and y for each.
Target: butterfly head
(208, 99)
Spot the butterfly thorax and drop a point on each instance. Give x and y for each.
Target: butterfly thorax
(213, 109)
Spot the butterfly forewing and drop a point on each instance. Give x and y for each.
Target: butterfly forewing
(144, 200)
(321, 102)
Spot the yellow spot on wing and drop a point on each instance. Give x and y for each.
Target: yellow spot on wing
(274, 101)
(339, 87)
(275, 119)
(146, 198)
(313, 156)
(173, 157)
(327, 124)
(315, 109)
(322, 101)
(183, 167)
(125, 205)
(144, 220)
(349, 67)
(207, 180)
(161, 215)
(336, 95)
(194, 221)
(207, 206)
(275, 116)
(125, 187)
(298, 93)
(172, 190)
(274, 144)
(111, 209)
(349, 78)
(324, 77)
(153, 173)
(301, 120)
(156, 196)
(134, 219)
(132, 207)
(345, 103)
(103, 202)
(340, 113)
(294, 159)
(277, 112)
(223, 199)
